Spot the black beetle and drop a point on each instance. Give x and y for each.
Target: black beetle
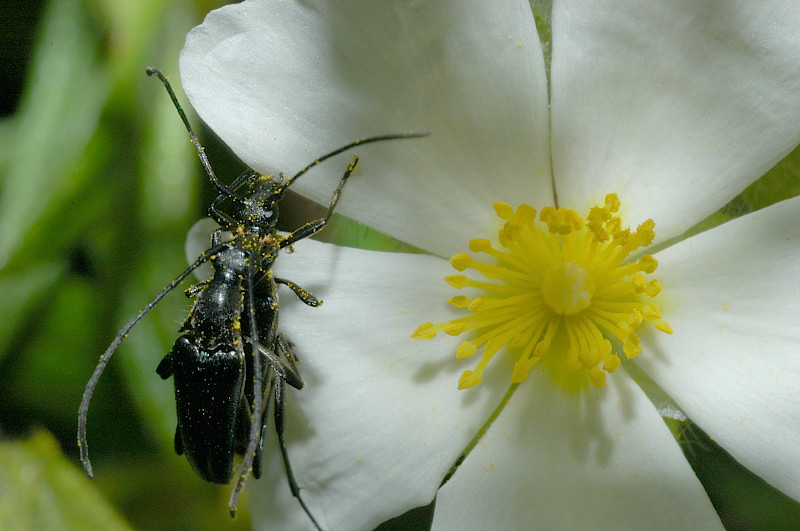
(232, 358)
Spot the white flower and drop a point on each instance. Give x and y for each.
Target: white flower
(675, 109)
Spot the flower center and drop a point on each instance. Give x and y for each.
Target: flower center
(558, 289)
(566, 289)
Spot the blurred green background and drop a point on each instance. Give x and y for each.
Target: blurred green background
(98, 187)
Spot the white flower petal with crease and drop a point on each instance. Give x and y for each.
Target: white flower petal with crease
(732, 363)
(379, 421)
(557, 461)
(675, 106)
(368, 68)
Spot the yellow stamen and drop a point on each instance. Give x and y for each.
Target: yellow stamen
(558, 288)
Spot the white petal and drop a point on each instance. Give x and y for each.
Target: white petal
(380, 420)
(677, 106)
(285, 82)
(601, 460)
(197, 242)
(731, 296)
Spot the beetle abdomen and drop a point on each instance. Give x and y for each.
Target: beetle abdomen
(208, 388)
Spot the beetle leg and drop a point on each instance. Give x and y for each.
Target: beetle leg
(302, 294)
(313, 227)
(280, 404)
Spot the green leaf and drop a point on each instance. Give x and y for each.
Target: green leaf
(43, 490)
(56, 119)
(20, 294)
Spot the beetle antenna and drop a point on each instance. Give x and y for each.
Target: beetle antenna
(200, 150)
(101, 364)
(359, 142)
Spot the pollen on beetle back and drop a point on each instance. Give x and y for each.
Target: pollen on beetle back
(558, 289)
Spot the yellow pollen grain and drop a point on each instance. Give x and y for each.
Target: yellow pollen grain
(556, 290)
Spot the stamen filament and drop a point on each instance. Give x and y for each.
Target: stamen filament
(559, 287)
